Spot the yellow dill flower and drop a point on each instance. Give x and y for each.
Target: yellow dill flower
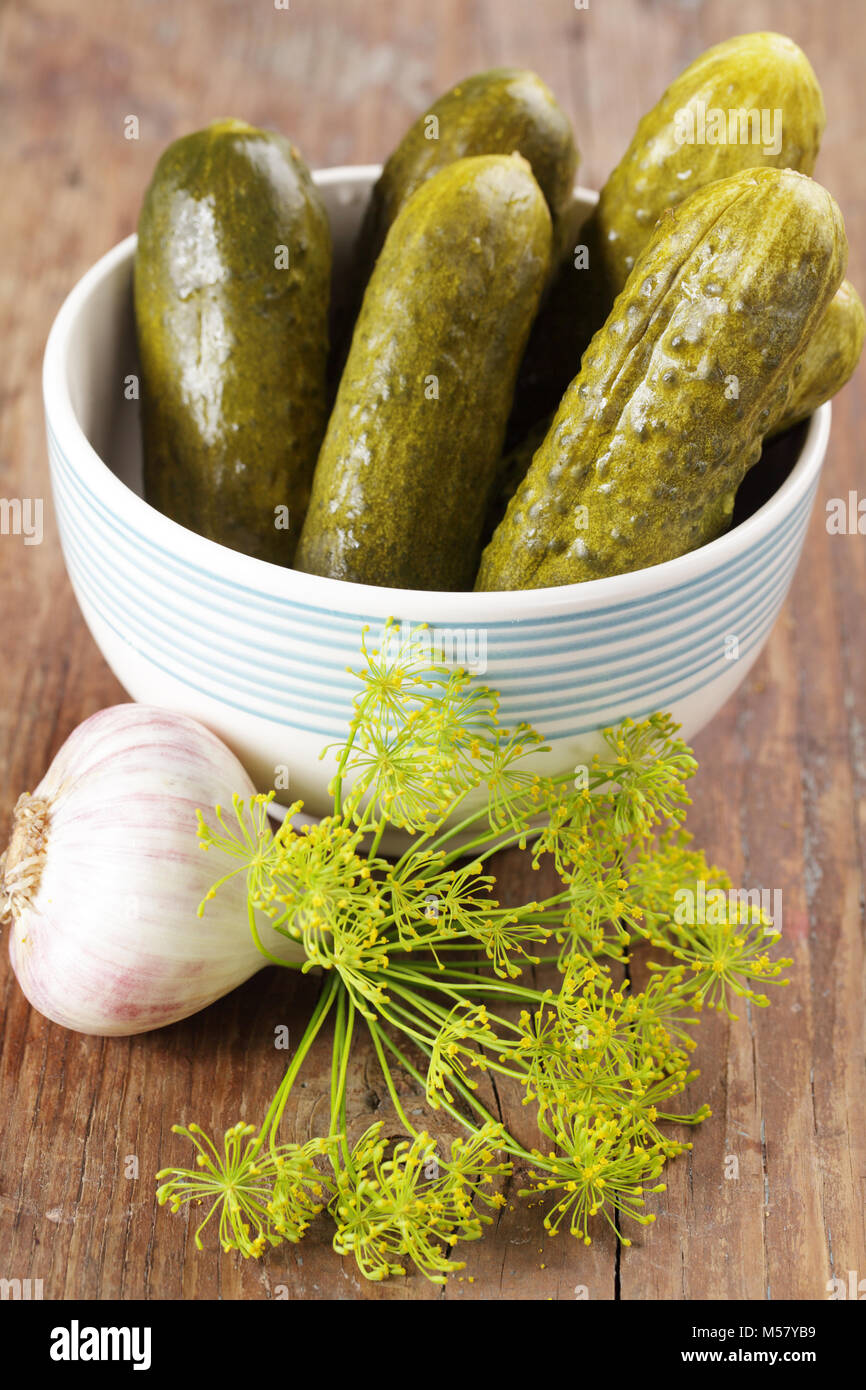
(405, 1202)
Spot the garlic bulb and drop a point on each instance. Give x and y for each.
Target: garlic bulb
(104, 875)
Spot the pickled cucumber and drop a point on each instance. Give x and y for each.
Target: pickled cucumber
(829, 358)
(751, 101)
(232, 284)
(676, 392)
(415, 436)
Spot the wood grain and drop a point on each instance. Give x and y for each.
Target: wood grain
(780, 798)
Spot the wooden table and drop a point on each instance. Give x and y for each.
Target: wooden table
(780, 798)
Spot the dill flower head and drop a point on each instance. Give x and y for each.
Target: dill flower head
(237, 1183)
(414, 1204)
(457, 1048)
(247, 837)
(594, 1169)
(261, 1195)
(319, 889)
(316, 878)
(418, 736)
(650, 766)
(300, 1189)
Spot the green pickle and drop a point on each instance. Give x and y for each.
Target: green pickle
(415, 437)
(829, 358)
(676, 392)
(502, 111)
(674, 152)
(232, 287)
(826, 363)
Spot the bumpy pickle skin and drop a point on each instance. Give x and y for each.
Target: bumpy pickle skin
(829, 358)
(232, 285)
(676, 392)
(826, 364)
(750, 73)
(415, 436)
(761, 72)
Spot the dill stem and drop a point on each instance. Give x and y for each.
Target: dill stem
(508, 1144)
(269, 955)
(376, 1034)
(342, 1051)
(437, 1010)
(271, 1122)
(503, 987)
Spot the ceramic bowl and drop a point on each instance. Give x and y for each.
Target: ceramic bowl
(259, 653)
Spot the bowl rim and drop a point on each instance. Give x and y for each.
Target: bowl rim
(346, 597)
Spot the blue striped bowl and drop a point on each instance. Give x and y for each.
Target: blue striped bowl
(259, 654)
